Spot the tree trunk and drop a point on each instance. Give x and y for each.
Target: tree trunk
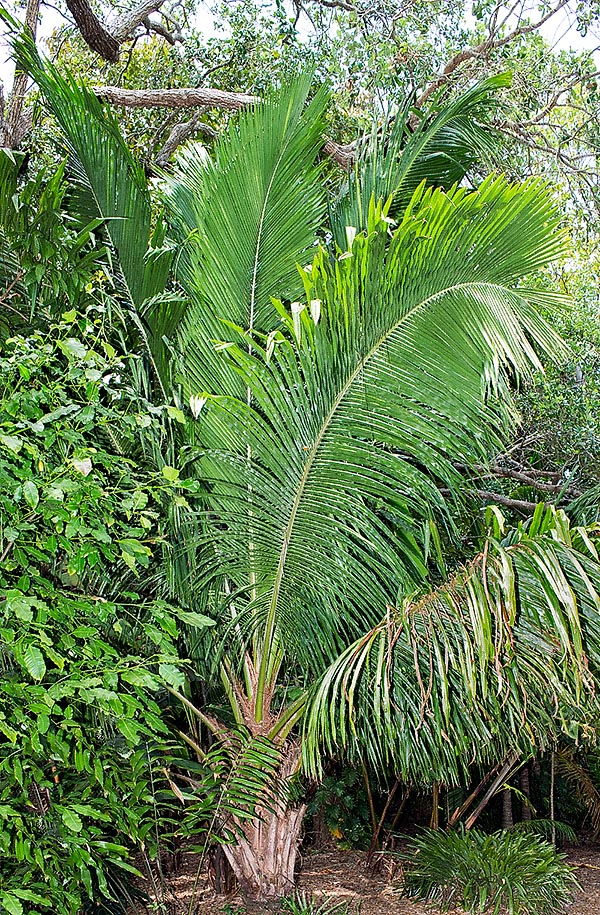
(264, 856)
(507, 814)
(16, 124)
(264, 859)
(525, 791)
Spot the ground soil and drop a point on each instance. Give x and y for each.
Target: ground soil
(344, 877)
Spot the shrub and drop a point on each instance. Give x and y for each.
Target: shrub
(82, 654)
(516, 872)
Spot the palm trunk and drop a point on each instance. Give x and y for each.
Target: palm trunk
(507, 814)
(525, 791)
(264, 859)
(264, 856)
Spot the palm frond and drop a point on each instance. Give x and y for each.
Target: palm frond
(10, 162)
(504, 657)
(322, 486)
(246, 215)
(108, 183)
(581, 780)
(439, 148)
(547, 829)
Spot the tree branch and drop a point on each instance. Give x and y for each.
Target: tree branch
(92, 31)
(175, 98)
(179, 134)
(490, 44)
(525, 477)
(122, 26)
(151, 26)
(519, 504)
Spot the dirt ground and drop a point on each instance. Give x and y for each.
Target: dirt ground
(343, 877)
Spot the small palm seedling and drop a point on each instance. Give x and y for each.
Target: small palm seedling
(514, 872)
(304, 904)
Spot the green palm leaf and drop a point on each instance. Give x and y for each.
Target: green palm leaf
(246, 215)
(492, 661)
(109, 184)
(440, 148)
(322, 487)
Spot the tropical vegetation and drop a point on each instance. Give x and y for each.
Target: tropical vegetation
(243, 406)
(514, 872)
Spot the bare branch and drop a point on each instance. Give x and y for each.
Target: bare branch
(179, 134)
(151, 26)
(483, 48)
(543, 481)
(123, 25)
(175, 98)
(518, 504)
(343, 155)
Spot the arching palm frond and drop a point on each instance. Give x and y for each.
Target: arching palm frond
(108, 183)
(246, 215)
(504, 656)
(585, 786)
(10, 162)
(322, 486)
(439, 149)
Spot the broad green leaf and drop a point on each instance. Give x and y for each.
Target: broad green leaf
(172, 675)
(29, 896)
(19, 604)
(139, 677)
(71, 820)
(195, 619)
(31, 493)
(11, 904)
(73, 347)
(83, 465)
(170, 473)
(129, 729)
(12, 442)
(34, 662)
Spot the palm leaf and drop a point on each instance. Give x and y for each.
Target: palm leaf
(10, 162)
(490, 662)
(321, 488)
(245, 217)
(440, 148)
(582, 781)
(109, 184)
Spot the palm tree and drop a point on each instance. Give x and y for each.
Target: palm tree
(324, 426)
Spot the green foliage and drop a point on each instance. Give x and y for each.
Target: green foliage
(227, 785)
(48, 262)
(118, 196)
(547, 828)
(561, 415)
(83, 653)
(520, 625)
(360, 406)
(267, 166)
(341, 799)
(439, 147)
(512, 872)
(303, 904)
(325, 430)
